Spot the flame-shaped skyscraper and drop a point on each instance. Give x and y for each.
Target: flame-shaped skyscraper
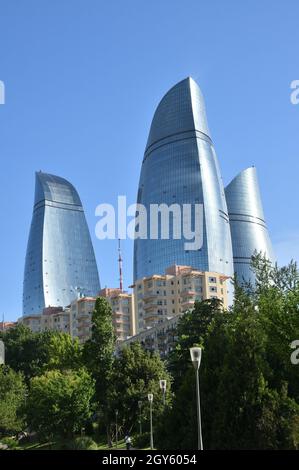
(180, 166)
(60, 260)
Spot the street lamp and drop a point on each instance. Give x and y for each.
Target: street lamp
(2, 352)
(150, 397)
(163, 385)
(140, 424)
(195, 354)
(116, 428)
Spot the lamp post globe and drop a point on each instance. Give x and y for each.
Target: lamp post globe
(163, 387)
(196, 353)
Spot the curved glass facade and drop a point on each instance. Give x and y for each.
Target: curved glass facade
(60, 256)
(180, 167)
(248, 227)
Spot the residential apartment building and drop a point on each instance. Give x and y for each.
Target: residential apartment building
(76, 319)
(51, 318)
(81, 318)
(122, 304)
(161, 338)
(159, 297)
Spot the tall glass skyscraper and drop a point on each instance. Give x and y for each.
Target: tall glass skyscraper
(60, 258)
(180, 166)
(248, 227)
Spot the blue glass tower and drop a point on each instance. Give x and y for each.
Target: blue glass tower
(60, 256)
(180, 166)
(247, 221)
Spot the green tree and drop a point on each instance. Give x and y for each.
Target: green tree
(249, 388)
(137, 373)
(192, 329)
(24, 350)
(60, 403)
(12, 397)
(99, 357)
(64, 352)
(34, 353)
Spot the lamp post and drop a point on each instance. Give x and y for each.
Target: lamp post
(150, 397)
(2, 352)
(163, 385)
(195, 354)
(116, 428)
(140, 423)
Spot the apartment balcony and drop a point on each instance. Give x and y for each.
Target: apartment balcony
(148, 307)
(119, 321)
(151, 313)
(187, 292)
(149, 295)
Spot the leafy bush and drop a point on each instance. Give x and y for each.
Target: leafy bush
(10, 441)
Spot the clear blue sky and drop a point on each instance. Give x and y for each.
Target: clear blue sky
(83, 78)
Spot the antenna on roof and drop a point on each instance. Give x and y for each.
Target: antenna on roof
(120, 267)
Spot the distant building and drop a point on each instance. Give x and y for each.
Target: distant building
(51, 318)
(161, 338)
(159, 297)
(7, 325)
(122, 304)
(247, 223)
(60, 259)
(180, 167)
(76, 319)
(80, 318)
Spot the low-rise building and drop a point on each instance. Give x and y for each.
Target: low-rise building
(51, 318)
(161, 338)
(7, 325)
(76, 319)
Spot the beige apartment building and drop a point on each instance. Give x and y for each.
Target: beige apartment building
(161, 338)
(154, 307)
(122, 304)
(159, 297)
(80, 318)
(52, 318)
(76, 319)
(122, 314)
